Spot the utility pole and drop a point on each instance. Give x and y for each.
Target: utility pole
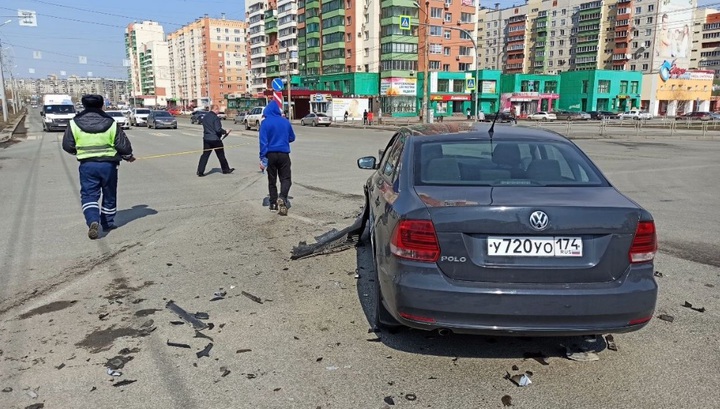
(287, 79)
(426, 73)
(2, 88)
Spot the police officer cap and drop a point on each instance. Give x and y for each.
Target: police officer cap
(92, 101)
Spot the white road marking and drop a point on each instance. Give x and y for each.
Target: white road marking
(158, 134)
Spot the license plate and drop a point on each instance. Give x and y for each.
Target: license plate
(535, 246)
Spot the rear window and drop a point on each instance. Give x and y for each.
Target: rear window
(114, 113)
(142, 111)
(503, 163)
(162, 113)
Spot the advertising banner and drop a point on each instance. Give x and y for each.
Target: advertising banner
(398, 87)
(488, 87)
(673, 37)
(354, 107)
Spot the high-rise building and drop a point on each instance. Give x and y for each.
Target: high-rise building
(209, 61)
(256, 46)
(149, 64)
(113, 90)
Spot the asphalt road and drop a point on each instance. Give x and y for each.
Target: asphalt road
(68, 304)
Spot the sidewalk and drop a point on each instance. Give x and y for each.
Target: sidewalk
(387, 123)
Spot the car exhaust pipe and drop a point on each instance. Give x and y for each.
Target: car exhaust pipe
(444, 332)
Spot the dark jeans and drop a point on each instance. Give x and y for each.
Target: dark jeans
(219, 151)
(278, 165)
(98, 178)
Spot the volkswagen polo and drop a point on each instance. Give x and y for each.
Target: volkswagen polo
(504, 230)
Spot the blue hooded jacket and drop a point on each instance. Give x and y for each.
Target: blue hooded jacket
(276, 133)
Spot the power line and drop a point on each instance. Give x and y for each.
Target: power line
(100, 12)
(71, 19)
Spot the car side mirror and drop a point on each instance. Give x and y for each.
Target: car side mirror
(367, 162)
(42, 113)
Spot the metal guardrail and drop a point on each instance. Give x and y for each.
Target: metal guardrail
(644, 128)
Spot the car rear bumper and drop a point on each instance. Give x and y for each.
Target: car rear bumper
(423, 292)
(165, 125)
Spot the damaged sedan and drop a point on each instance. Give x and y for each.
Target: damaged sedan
(504, 230)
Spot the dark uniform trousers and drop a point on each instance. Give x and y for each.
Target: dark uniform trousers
(98, 178)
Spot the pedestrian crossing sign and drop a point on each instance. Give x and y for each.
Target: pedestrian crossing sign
(470, 84)
(405, 23)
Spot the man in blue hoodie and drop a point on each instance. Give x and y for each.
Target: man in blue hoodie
(276, 134)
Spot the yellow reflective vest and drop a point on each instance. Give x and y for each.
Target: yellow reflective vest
(94, 145)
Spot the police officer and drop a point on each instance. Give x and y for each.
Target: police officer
(99, 144)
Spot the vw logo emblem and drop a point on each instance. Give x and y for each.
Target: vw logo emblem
(539, 220)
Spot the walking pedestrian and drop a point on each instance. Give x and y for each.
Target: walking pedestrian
(370, 118)
(481, 116)
(365, 117)
(213, 133)
(345, 117)
(276, 135)
(468, 114)
(99, 144)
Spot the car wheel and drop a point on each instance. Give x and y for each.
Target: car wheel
(302, 123)
(247, 126)
(257, 125)
(314, 123)
(544, 119)
(327, 125)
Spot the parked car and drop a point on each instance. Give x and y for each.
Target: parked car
(254, 118)
(222, 115)
(467, 235)
(695, 116)
(572, 115)
(138, 116)
(174, 111)
(542, 116)
(316, 119)
(503, 117)
(161, 119)
(197, 117)
(600, 115)
(635, 114)
(121, 120)
(239, 118)
(715, 116)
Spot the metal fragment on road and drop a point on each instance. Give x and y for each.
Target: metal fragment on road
(177, 345)
(666, 317)
(205, 351)
(252, 297)
(688, 305)
(185, 316)
(610, 341)
(124, 382)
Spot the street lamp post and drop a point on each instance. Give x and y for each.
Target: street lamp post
(3, 98)
(426, 74)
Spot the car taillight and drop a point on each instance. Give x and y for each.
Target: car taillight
(415, 240)
(644, 245)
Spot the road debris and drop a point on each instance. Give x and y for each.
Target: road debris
(103, 316)
(94, 388)
(520, 379)
(389, 400)
(506, 400)
(241, 351)
(118, 362)
(666, 317)
(251, 376)
(610, 341)
(177, 345)
(319, 359)
(219, 295)
(515, 368)
(124, 382)
(332, 241)
(581, 355)
(32, 392)
(61, 366)
(112, 372)
(185, 316)
(688, 305)
(177, 322)
(252, 297)
(128, 351)
(658, 274)
(205, 351)
(35, 406)
(202, 316)
(225, 371)
(411, 397)
(199, 334)
(332, 368)
(7, 390)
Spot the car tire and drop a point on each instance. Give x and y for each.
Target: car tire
(544, 119)
(247, 126)
(302, 123)
(314, 123)
(326, 126)
(257, 125)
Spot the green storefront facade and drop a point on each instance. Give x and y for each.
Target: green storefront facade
(600, 90)
(358, 84)
(530, 93)
(448, 93)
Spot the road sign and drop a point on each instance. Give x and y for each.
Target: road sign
(277, 84)
(28, 18)
(277, 97)
(470, 84)
(405, 23)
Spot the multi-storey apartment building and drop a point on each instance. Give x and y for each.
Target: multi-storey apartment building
(209, 61)
(706, 44)
(149, 67)
(113, 90)
(256, 48)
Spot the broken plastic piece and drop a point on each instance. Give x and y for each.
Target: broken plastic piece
(251, 376)
(177, 322)
(177, 345)
(205, 351)
(225, 371)
(202, 315)
(240, 351)
(103, 316)
(610, 341)
(666, 317)
(515, 368)
(7, 390)
(217, 298)
(252, 297)
(581, 355)
(35, 406)
(411, 397)
(506, 400)
(521, 380)
(220, 293)
(185, 316)
(319, 359)
(389, 400)
(688, 305)
(199, 334)
(333, 240)
(118, 362)
(112, 372)
(332, 368)
(32, 393)
(61, 366)
(124, 382)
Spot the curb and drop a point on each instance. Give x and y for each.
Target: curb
(7, 133)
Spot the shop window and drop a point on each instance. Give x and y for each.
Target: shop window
(443, 85)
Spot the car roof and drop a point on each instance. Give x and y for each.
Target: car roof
(464, 130)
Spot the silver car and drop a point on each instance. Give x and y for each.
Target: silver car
(161, 119)
(516, 233)
(316, 119)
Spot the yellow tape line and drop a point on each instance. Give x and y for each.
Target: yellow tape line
(165, 155)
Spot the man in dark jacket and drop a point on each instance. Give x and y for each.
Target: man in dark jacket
(213, 133)
(99, 144)
(276, 134)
